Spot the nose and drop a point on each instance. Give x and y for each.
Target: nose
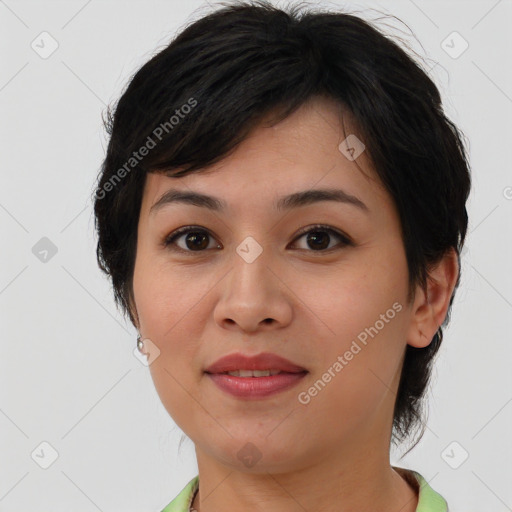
(254, 296)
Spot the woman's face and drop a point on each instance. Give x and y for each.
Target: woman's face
(336, 309)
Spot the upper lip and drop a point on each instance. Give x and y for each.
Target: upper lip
(263, 361)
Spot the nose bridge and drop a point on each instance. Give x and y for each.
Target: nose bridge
(250, 274)
(252, 293)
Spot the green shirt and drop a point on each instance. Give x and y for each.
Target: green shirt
(428, 499)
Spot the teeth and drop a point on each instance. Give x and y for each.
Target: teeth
(253, 373)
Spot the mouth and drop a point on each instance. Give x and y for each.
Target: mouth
(255, 384)
(255, 373)
(254, 376)
(260, 365)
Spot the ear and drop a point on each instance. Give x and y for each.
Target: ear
(429, 309)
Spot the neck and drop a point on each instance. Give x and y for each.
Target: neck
(328, 485)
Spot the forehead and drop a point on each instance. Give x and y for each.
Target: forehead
(304, 151)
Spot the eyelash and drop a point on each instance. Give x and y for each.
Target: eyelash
(345, 240)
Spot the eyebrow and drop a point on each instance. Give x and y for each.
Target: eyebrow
(294, 200)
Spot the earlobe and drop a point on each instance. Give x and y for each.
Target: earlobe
(431, 306)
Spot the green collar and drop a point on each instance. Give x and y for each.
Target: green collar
(428, 499)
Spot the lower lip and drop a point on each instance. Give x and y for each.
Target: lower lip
(256, 387)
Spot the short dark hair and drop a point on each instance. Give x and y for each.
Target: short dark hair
(193, 102)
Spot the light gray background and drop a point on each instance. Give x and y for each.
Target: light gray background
(68, 374)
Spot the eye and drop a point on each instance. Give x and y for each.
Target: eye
(319, 237)
(196, 239)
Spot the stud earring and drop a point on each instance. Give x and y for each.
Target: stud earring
(140, 344)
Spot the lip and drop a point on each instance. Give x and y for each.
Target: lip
(263, 361)
(256, 387)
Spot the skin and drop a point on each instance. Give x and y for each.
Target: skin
(195, 307)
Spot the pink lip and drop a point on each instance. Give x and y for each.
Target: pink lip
(256, 387)
(263, 361)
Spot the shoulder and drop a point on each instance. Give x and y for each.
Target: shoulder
(181, 503)
(428, 499)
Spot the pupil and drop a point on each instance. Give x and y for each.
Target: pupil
(194, 238)
(315, 235)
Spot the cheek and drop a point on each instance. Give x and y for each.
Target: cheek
(167, 305)
(359, 300)
(171, 322)
(364, 320)
(162, 295)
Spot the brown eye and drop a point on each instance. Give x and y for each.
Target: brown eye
(319, 237)
(194, 239)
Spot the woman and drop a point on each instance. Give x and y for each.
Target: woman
(281, 211)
